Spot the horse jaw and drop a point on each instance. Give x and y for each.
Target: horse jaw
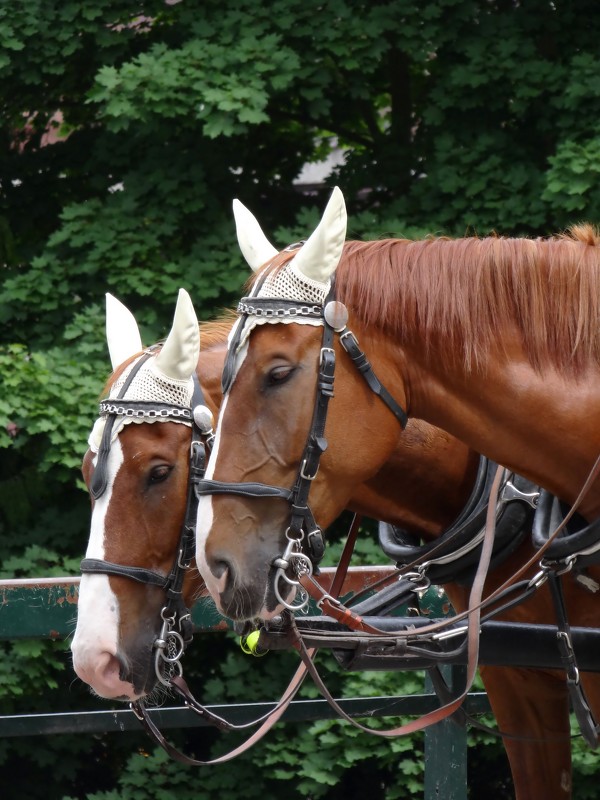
(179, 355)
(255, 247)
(319, 257)
(122, 332)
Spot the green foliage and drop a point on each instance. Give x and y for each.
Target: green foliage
(127, 129)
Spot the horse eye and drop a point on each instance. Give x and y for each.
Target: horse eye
(279, 375)
(159, 474)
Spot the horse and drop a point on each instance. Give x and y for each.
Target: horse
(493, 340)
(423, 487)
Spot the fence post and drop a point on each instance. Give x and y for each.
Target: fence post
(446, 747)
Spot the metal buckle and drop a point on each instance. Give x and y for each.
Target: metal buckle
(304, 475)
(325, 350)
(333, 600)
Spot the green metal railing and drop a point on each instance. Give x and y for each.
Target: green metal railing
(45, 609)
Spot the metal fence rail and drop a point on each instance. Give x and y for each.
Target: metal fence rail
(44, 608)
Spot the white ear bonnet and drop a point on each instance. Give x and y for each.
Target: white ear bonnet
(163, 378)
(306, 278)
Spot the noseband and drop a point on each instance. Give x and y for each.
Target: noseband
(176, 629)
(305, 542)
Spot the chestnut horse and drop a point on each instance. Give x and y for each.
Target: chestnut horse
(494, 340)
(423, 487)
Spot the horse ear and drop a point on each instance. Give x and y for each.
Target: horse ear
(255, 246)
(122, 332)
(179, 354)
(319, 257)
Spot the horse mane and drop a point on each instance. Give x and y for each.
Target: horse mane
(462, 295)
(214, 332)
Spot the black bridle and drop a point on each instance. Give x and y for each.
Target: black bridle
(305, 542)
(176, 629)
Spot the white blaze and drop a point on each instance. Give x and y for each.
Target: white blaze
(97, 628)
(204, 519)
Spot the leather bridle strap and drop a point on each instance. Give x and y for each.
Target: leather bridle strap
(141, 712)
(350, 344)
(303, 530)
(451, 707)
(271, 717)
(99, 480)
(100, 567)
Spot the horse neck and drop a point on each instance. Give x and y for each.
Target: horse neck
(424, 485)
(538, 423)
(496, 341)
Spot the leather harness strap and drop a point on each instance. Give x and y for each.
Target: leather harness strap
(269, 719)
(451, 707)
(579, 703)
(272, 717)
(346, 616)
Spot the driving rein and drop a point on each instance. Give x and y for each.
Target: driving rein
(305, 545)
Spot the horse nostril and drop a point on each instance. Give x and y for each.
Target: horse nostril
(219, 568)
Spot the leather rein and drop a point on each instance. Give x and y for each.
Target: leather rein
(305, 541)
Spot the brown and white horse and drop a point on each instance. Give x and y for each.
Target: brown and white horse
(495, 340)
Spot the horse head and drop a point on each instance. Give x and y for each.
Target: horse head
(136, 469)
(272, 442)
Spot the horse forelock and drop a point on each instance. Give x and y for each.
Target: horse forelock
(458, 296)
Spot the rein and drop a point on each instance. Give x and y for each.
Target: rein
(271, 717)
(304, 535)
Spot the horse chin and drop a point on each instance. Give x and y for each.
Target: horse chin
(137, 669)
(248, 606)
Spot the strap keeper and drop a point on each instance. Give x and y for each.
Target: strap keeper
(327, 597)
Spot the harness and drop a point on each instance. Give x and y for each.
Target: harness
(579, 542)
(454, 554)
(176, 630)
(305, 543)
